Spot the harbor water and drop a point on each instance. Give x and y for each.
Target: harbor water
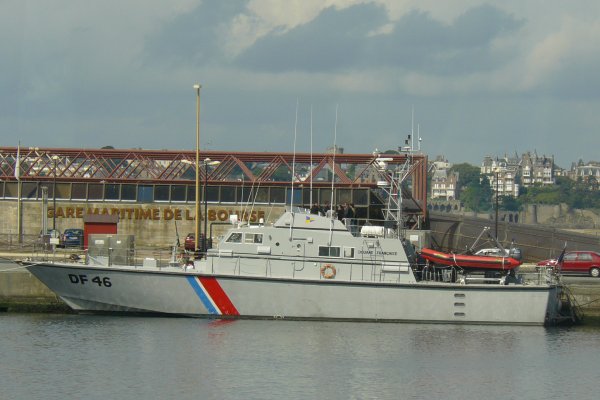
(48, 356)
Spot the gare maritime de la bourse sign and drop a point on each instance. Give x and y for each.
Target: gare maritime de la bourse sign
(155, 213)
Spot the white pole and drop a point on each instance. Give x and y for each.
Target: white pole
(311, 157)
(333, 177)
(294, 170)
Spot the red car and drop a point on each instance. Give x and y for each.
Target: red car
(190, 243)
(577, 262)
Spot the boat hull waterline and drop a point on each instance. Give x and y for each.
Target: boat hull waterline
(189, 293)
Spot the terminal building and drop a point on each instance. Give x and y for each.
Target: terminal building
(153, 193)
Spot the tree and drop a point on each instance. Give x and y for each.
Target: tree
(467, 174)
(477, 196)
(509, 203)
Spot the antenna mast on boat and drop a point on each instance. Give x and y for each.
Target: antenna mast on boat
(333, 176)
(294, 169)
(311, 157)
(393, 210)
(294, 157)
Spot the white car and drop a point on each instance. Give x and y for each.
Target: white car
(495, 251)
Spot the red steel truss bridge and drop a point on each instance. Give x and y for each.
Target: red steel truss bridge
(216, 167)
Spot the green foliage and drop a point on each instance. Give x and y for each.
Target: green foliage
(477, 196)
(509, 203)
(467, 174)
(580, 194)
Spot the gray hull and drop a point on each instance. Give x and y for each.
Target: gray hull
(189, 293)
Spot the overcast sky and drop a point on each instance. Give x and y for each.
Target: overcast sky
(484, 77)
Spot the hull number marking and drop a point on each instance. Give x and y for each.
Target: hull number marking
(83, 279)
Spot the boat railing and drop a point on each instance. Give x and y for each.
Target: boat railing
(541, 276)
(436, 274)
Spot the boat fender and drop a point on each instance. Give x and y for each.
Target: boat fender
(328, 271)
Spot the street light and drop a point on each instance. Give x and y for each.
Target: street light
(496, 224)
(207, 162)
(197, 222)
(55, 158)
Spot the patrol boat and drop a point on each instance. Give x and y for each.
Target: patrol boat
(310, 267)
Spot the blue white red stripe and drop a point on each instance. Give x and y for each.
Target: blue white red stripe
(212, 295)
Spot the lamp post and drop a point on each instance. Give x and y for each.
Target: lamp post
(496, 225)
(197, 220)
(55, 158)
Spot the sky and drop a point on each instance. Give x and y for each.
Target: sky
(480, 77)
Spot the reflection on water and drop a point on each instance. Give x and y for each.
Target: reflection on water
(100, 357)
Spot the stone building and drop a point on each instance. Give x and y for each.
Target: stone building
(537, 170)
(587, 172)
(443, 182)
(502, 174)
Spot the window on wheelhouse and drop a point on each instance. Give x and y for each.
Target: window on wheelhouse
(253, 238)
(235, 237)
(348, 252)
(326, 251)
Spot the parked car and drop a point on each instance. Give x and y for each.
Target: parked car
(45, 238)
(72, 238)
(577, 262)
(514, 252)
(189, 242)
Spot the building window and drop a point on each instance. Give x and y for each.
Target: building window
(191, 193)
(344, 196)
(29, 190)
(178, 193)
(361, 197)
(227, 194)
(145, 194)
(212, 194)
(78, 191)
(277, 196)
(95, 191)
(63, 191)
(161, 193)
(262, 195)
(111, 191)
(297, 196)
(128, 192)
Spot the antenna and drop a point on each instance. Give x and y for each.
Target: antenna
(333, 162)
(294, 169)
(333, 177)
(412, 128)
(294, 157)
(311, 158)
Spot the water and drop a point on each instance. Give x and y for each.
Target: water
(106, 357)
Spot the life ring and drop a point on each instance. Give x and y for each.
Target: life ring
(328, 271)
